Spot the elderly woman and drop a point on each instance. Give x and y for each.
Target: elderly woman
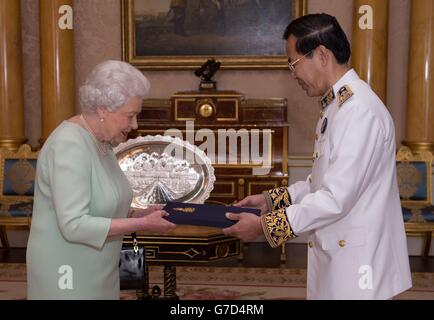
(82, 198)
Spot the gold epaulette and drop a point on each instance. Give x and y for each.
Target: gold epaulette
(277, 198)
(276, 227)
(327, 98)
(344, 94)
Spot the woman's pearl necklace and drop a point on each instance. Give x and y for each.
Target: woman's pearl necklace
(103, 147)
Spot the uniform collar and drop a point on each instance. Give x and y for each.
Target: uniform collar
(327, 98)
(330, 95)
(348, 77)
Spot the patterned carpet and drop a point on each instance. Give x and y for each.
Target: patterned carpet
(218, 283)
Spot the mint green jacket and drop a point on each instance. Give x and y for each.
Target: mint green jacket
(77, 193)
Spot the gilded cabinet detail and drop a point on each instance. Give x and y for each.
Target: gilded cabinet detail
(244, 138)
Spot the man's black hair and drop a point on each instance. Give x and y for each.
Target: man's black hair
(313, 30)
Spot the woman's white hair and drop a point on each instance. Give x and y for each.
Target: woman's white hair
(111, 84)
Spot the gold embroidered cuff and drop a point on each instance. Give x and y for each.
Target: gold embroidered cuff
(276, 227)
(277, 198)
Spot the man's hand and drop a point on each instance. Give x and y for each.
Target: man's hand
(248, 227)
(255, 201)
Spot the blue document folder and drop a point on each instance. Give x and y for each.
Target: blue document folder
(209, 215)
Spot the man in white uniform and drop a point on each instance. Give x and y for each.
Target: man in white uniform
(349, 205)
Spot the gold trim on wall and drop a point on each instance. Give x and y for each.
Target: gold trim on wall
(215, 94)
(299, 8)
(299, 159)
(300, 165)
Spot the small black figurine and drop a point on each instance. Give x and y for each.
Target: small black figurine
(206, 72)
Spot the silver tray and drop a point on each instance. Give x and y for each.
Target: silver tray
(163, 168)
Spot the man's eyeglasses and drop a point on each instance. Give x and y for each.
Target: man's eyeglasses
(291, 65)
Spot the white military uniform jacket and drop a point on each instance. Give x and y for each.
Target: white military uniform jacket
(350, 203)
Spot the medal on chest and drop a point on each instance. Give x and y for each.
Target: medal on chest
(324, 125)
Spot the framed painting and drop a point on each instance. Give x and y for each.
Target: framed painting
(183, 34)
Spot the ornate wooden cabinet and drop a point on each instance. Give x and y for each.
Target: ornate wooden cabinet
(246, 139)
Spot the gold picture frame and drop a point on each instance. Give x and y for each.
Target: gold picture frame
(158, 48)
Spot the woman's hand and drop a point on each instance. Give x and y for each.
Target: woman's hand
(138, 213)
(155, 222)
(150, 219)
